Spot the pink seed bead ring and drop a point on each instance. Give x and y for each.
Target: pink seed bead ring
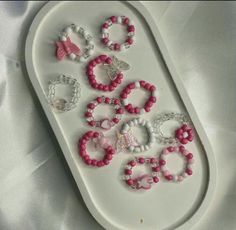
(82, 145)
(130, 36)
(144, 181)
(104, 123)
(136, 85)
(188, 168)
(102, 59)
(182, 135)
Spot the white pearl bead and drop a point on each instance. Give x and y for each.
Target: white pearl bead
(135, 121)
(126, 126)
(63, 38)
(72, 56)
(149, 125)
(146, 147)
(119, 20)
(109, 43)
(164, 168)
(139, 120)
(104, 30)
(125, 102)
(137, 84)
(142, 148)
(68, 30)
(137, 149)
(155, 93)
(122, 47)
(142, 111)
(90, 52)
(175, 178)
(184, 175)
(151, 130)
(143, 123)
(82, 59)
(131, 23)
(77, 29)
(131, 148)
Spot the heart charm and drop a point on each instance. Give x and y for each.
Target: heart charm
(105, 124)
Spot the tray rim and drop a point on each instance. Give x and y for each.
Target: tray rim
(212, 180)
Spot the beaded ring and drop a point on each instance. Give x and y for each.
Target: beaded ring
(82, 145)
(105, 123)
(183, 135)
(139, 122)
(99, 86)
(135, 85)
(144, 181)
(66, 48)
(60, 104)
(188, 168)
(130, 36)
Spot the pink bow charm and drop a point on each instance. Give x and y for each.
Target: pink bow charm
(143, 182)
(101, 142)
(65, 48)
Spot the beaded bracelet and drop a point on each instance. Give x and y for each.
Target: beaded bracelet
(82, 146)
(188, 168)
(61, 104)
(115, 74)
(66, 48)
(130, 36)
(144, 181)
(183, 135)
(135, 85)
(105, 123)
(139, 122)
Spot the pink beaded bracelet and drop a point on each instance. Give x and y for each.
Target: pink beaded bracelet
(82, 146)
(130, 36)
(135, 85)
(104, 123)
(92, 78)
(144, 181)
(188, 168)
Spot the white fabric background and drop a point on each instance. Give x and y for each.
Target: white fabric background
(37, 191)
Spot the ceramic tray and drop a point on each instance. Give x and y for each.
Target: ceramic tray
(110, 201)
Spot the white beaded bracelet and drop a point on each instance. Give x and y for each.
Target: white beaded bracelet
(140, 122)
(61, 104)
(66, 48)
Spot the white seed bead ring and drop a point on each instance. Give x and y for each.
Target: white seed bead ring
(71, 50)
(61, 104)
(151, 138)
(161, 119)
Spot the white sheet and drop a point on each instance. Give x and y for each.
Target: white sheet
(36, 188)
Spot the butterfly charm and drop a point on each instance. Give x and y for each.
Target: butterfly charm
(115, 67)
(65, 48)
(143, 182)
(124, 141)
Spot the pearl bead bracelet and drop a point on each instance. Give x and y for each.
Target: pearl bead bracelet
(139, 122)
(66, 48)
(130, 36)
(136, 85)
(144, 181)
(188, 168)
(182, 135)
(106, 60)
(105, 123)
(82, 146)
(60, 104)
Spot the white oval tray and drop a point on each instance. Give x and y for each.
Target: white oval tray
(166, 205)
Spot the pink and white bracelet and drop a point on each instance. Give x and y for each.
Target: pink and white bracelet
(82, 146)
(144, 181)
(188, 158)
(136, 85)
(102, 59)
(105, 123)
(130, 36)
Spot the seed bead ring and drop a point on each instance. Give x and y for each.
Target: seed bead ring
(104, 123)
(144, 181)
(136, 85)
(82, 146)
(182, 135)
(151, 138)
(92, 78)
(188, 168)
(61, 104)
(66, 48)
(130, 36)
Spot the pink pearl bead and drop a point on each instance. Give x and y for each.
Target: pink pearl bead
(149, 104)
(103, 57)
(113, 19)
(109, 156)
(100, 86)
(189, 156)
(190, 137)
(162, 162)
(129, 41)
(105, 25)
(117, 47)
(120, 111)
(90, 67)
(106, 88)
(88, 161)
(120, 76)
(88, 114)
(156, 169)
(99, 100)
(100, 163)
(94, 162)
(181, 148)
(169, 177)
(132, 163)
(155, 179)
(123, 95)
(115, 120)
(95, 85)
(184, 127)
(116, 102)
(179, 131)
(153, 99)
(89, 134)
(95, 134)
(170, 149)
(165, 151)
(111, 88)
(185, 152)
(184, 141)
(131, 110)
(180, 178)
(106, 162)
(98, 60)
(147, 109)
(82, 153)
(130, 182)
(111, 151)
(142, 83)
(107, 100)
(127, 90)
(126, 21)
(153, 160)
(147, 86)
(114, 84)
(137, 110)
(141, 160)
(189, 171)
(92, 123)
(129, 106)
(152, 88)
(86, 157)
(108, 60)
(82, 141)
(131, 28)
(131, 86)
(128, 172)
(89, 72)
(117, 80)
